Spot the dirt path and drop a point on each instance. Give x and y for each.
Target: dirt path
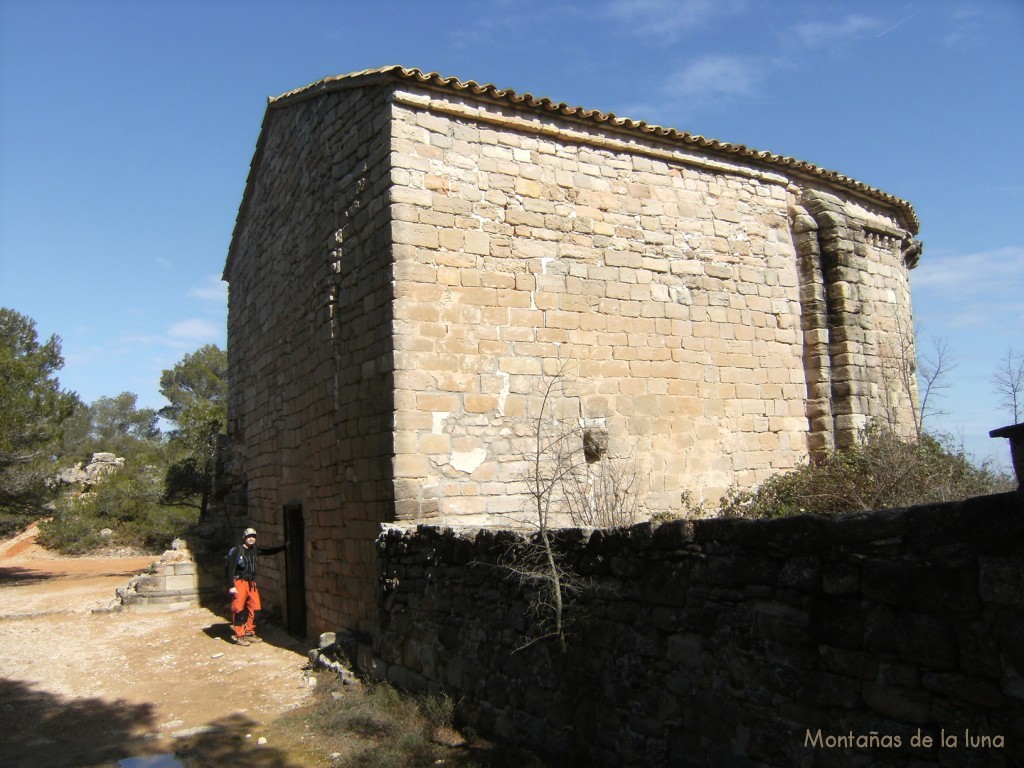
(84, 685)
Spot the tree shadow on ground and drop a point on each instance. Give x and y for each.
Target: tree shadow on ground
(16, 576)
(13, 576)
(228, 741)
(42, 730)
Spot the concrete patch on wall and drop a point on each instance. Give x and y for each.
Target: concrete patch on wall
(438, 420)
(468, 461)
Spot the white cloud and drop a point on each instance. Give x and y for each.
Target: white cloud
(966, 29)
(713, 76)
(970, 316)
(972, 292)
(997, 272)
(194, 331)
(721, 75)
(819, 34)
(211, 289)
(668, 18)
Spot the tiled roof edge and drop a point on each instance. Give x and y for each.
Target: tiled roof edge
(641, 127)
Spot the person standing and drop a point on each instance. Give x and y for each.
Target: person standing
(245, 597)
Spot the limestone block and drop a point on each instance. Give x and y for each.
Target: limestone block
(181, 583)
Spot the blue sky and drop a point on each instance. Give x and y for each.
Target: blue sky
(126, 131)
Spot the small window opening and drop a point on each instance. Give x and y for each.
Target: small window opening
(595, 444)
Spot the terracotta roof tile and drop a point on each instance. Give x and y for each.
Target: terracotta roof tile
(544, 104)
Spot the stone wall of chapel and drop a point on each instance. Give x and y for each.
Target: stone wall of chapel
(856, 315)
(309, 349)
(409, 266)
(669, 280)
(886, 299)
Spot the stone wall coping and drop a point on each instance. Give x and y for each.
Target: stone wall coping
(979, 522)
(1011, 431)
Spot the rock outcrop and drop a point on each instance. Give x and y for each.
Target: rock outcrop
(101, 465)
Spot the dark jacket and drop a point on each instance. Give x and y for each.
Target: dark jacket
(241, 562)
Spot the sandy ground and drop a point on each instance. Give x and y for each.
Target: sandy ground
(83, 684)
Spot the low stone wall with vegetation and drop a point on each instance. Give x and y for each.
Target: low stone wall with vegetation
(891, 638)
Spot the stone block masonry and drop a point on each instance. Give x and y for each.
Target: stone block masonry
(415, 256)
(176, 580)
(707, 331)
(310, 350)
(802, 641)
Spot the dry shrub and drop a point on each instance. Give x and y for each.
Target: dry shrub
(377, 726)
(883, 471)
(382, 727)
(603, 494)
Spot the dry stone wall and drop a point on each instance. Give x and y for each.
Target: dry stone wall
(803, 641)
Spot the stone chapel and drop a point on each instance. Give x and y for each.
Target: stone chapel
(414, 254)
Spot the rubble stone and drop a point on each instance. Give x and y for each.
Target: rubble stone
(742, 662)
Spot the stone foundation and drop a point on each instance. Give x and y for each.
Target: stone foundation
(172, 582)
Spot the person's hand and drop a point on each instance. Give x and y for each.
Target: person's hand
(232, 591)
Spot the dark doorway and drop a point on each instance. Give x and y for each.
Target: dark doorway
(295, 569)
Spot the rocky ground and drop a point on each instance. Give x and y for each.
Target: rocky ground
(85, 684)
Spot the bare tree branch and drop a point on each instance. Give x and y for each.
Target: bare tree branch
(932, 372)
(1008, 383)
(562, 485)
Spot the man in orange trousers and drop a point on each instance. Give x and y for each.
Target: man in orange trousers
(245, 597)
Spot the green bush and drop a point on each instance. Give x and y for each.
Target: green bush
(883, 471)
(70, 532)
(12, 523)
(130, 503)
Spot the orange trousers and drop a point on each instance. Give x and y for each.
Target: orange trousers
(244, 604)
